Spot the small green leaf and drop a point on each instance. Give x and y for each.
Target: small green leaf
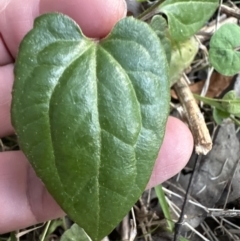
(90, 115)
(230, 95)
(159, 25)
(75, 233)
(219, 115)
(231, 103)
(224, 52)
(186, 17)
(181, 55)
(181, 58)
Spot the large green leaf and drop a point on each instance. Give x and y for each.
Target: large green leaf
(186, 17)
(91, 115)
(224, 52)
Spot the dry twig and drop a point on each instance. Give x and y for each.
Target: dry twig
(233, 12)
(202, 139)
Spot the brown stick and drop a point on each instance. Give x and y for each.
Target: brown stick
(234, 12)
(202, 139)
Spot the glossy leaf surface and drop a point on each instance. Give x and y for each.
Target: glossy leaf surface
(91, 115)
(224, 52)
(186, 17)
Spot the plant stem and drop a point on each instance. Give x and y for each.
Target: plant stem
(202, 139)
(178, 225)
(45, 230)
(164, 205)
(237, 122)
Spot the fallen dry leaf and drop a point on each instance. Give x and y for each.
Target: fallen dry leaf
(218, 84)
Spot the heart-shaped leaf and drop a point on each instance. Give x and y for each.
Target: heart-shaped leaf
(224, 52)
(186, 17)
(91, 115)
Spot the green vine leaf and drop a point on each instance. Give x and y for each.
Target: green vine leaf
(228, 106)
(182, 56)
(75, 233)
(90, 115)
(219, 115)
(224, 52)
(159, 25)
(186, 17)
(231, 102)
